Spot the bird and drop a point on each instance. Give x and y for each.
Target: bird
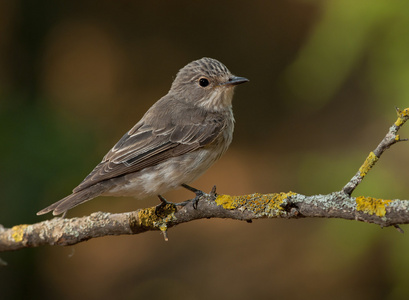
(176, 140)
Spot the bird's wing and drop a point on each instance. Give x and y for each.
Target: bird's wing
(144, 146)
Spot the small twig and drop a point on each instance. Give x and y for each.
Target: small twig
(391, 138)
(398, 229)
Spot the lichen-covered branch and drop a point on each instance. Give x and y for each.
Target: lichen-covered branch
(60, 231)
(340, 204)
(391, 138)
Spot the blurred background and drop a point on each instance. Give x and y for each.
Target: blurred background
(325, 77)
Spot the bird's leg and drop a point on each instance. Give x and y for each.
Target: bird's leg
(198, 193)
(165, 202)
(160, 207)
(195, 200)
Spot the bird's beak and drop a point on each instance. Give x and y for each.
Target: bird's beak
(235, 80)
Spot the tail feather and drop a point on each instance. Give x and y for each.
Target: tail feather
(74, 199)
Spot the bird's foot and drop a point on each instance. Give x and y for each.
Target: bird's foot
(198, 193)
(163, 206)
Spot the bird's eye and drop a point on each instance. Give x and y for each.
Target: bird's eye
(203, 82)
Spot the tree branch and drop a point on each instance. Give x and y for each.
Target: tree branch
(340, 204)
(391, 138)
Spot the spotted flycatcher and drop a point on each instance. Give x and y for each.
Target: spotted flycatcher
(174, 143)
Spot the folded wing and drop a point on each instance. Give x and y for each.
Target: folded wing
(144, 146)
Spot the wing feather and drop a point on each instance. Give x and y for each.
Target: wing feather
(144, 146)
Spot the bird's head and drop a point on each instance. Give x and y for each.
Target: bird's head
(207, 83)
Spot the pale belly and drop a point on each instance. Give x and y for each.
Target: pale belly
(163, 177)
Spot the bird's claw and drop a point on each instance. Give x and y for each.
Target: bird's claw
(160, 208)
(213, 192)
(199, 194)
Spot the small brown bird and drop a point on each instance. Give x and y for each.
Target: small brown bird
(174, 143)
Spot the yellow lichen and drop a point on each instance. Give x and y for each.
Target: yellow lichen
(228, 202)
(163, 227)
(267, 204)
(18, 232)
(278, 198)
(151, 217)
(368, 164)
(372, 206)
(399, 122)
(146, 217)
(403, 116)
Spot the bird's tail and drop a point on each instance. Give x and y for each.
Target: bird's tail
(74, 199)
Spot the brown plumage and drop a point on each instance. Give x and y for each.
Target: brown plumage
(176, 140)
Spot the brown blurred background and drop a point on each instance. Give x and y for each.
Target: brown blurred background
(325, 77)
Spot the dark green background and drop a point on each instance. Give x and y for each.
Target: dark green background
(325, 77)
